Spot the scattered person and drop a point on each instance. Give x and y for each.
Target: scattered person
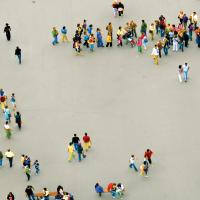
(37, 167)
(10, 155)
(148, 154)
(18, 120)
(132, 163)
(99, 189)
(64, 34)
(10, 196)
(28, 172)
(18, 54)
(1, 158)
(7, 30)
(55, 36)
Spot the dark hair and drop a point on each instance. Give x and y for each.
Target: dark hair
(180, 66)
(85, 133)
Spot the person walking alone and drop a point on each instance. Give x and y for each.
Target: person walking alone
(18, 120)
(7, 30)
(18, 53)
(10, 155)
(28, 172)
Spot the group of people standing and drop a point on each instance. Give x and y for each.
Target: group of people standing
(8, 106)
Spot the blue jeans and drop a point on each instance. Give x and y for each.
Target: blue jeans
(1, 162)
(165, 49)
(31, 197)
(55, 40)
(185, 75)
(79, 156)
(76, 146)
(181, 47)
(162, 33)
(132, 165)
(19, 58)
(100, 43)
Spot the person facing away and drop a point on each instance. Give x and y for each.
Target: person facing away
(75, 141)
(18, 54)
(7, 30)
(37, 166)
(1, 158)
(9, 155)
(148, 154)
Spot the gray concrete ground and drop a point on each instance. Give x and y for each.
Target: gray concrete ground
(119, 97)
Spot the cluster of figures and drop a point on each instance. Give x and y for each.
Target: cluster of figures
(144, 167)
(177, 36)
(25, 161)
(8, 112)
(116, 190)
(76, 146)
(118, 8)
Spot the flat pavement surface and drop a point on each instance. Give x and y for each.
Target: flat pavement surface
(120, 98)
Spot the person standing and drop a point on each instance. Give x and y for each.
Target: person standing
(7, 30)
(143, 28)
(120, 33)
(18, 119)
(7, 129)
(132, 163)
(86, 142)
(18, 53)
(133, 27)
(109, 28)
(151, 31)
(91, 42)
(13, 101)
(7, 114)
(1, 158)
(185, 71)
(180, 72)
(70, 150)
(64, 34)
(28, 172)
(108, 40)
(9, 155)
(29, 192)
(155, 54)
(99, 38)
(10, 196)
(55, 36)
(147, 155)
(37, 167)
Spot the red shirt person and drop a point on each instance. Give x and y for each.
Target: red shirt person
(86, 142)
(148, 153)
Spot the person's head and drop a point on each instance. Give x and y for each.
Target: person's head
(17, 47)
(155, 45)
(132, 156)
(45, 189)
(36, 160)
(180, 66)
(98, 29)
(64, 27)
(13, 94)
(92, 35)
(18, 113)
(8, 150)
(194, 13)
(85, 134)
(6, 122)
(142, 20)
(75, 135)
(148, 150)
(70, 143)
(109, 23)
(120, 27)
(7, 24)
(84, 20)
(186, 64)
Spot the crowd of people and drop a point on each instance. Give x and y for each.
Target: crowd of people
(172, 36)
(9, 110)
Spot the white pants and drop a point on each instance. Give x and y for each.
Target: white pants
(180, 78)
(175, 46)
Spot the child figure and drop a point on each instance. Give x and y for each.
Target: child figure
(91, 42)
(64, 34)
(109, 40)
(37, 167)
(86, 39)
(139, 45)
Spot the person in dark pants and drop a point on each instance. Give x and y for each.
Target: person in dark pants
(29, 192)
(28, 172)
(75, 141)
(7, 30)
(18, 54)
(98, 189)
(148, 154)
(18, 120)
(10, 196)
(9, 155)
